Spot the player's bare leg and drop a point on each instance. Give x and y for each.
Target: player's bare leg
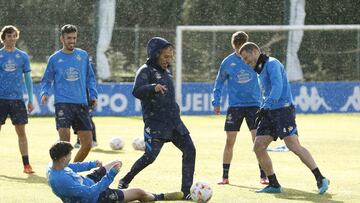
(22, 140)
(64, 134)
(260, 148)
(227, 155)
(263, 179)
(85, 137)
(292, 142)
(260, 145)
(23, 147)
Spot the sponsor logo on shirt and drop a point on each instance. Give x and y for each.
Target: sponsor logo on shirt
(243, 76)
(9, 66)
(71, 74)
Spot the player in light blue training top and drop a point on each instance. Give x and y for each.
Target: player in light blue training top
(276, 117)
(69, 70)
(70, 187)
(15, 63)
(244, 100)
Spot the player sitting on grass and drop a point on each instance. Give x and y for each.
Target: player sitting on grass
(71, 187)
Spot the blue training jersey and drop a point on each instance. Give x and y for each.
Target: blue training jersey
(72, 75)
(242, 83)
(275, 85)
(13, 64)
(71, 187)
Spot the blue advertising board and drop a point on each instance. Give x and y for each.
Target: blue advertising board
(115, 99)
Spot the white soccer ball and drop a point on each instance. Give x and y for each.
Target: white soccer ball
(138, 144)
(116, 143)
(201, 192)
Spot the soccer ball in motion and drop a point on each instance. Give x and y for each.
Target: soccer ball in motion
(139, 144)
(201, 192)
(116, 143)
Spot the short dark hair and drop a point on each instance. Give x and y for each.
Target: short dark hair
(8, 29)
(239, 38)
(68, 28)
(248, 47)
(60, 149)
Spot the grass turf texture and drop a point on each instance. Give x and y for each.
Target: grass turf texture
(332, 139)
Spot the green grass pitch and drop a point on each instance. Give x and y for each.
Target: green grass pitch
(333, 140)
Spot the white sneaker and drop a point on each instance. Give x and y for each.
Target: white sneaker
(77, 145)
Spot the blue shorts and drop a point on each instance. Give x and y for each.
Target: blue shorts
(72, 115)
(236, 115)
(108, 195)
(278, 123)
(16, 109)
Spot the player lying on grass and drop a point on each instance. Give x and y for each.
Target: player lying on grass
(71, 187)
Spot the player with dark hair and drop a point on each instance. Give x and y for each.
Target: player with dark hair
(161, 114)
(69, 70)
(14, 63)
(276, 117)
(71, 187)
(244, 100)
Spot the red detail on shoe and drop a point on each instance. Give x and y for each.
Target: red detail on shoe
(264, 181)
(224, 181)
(28, 169)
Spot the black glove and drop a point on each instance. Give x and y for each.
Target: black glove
(260, 114)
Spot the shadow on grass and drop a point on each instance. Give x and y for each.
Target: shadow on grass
(32, 178)
(99, 150)
(296, 195)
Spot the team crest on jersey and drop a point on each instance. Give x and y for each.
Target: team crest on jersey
(71, 74)
(243, 76)
(9, 66)
(17, 56)
(157, 75)
(233, 64)
(78, 57)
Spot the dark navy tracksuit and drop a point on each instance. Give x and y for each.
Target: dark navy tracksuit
(161, 116)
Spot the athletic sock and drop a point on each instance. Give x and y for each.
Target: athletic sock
(262, 172)
(159, 197)
(318, 176)
(273, 182)
(226, 168)
(25, 160)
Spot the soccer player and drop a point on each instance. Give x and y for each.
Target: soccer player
(14, 63)
(244, 100)
(71, 187)
(69, 70)
(161, 114)
(276, 117)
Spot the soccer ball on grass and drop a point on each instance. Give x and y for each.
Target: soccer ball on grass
(201, 192)
(138, 144)
(116, 143)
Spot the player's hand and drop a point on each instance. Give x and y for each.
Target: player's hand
(44, 99)
(118, 165)
(217, 110)
(160, 88)
(98, 163)
(30, 107)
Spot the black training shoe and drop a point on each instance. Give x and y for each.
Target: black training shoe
(122, 185)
